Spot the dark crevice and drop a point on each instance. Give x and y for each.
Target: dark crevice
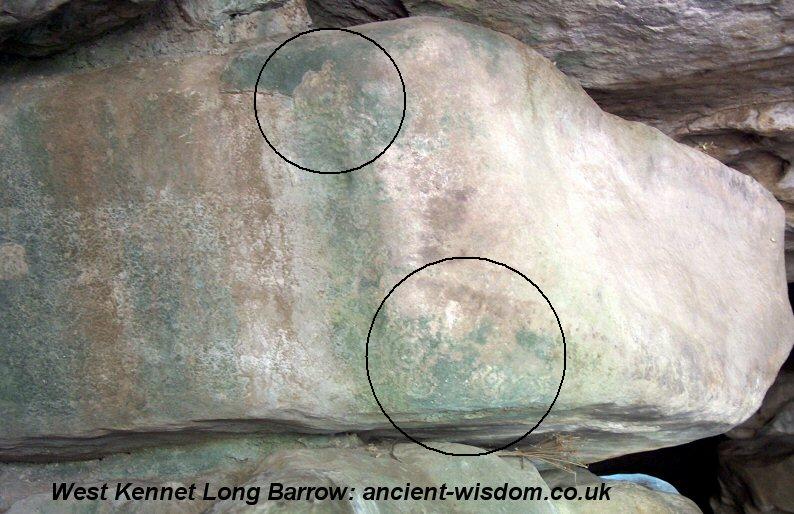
(691, 468)
(256, 8)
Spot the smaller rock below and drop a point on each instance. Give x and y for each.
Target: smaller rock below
(629, 495)
(27, 487)
(380, 468)
(413, 477)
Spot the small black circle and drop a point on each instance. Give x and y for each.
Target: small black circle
(472, 258)
(261, 130)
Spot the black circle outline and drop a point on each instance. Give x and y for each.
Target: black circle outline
(471, 258)
(402, 118)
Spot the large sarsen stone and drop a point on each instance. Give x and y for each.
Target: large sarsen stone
(169, 273)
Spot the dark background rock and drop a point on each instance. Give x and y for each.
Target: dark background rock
(757, 462)
(691, 468)
(755, 476)
(39, 28)
(344, 13)
(170, 29)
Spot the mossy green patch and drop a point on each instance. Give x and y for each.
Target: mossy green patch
(541, 345)
(122, 282)
(480, 334)
(417, 367)
(343, 213)
(182, 306)
(37, 362)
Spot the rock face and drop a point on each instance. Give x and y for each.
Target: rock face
(744, 118)
(42, 27)
(451, 340)
(317, 462)
(756, 466)
(171, 274)
(716, 75)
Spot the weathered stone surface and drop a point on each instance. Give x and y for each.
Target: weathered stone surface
(706, 73)
(42, 27)
(744, 118)
(180, 277)
(217, 23)
(756, 466)
(452, 339)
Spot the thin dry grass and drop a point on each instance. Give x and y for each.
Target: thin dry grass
(557, 450)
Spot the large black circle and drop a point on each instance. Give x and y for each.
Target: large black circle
(256, 113)
(564, 356)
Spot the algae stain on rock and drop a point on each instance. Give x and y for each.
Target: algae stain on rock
(419, 367)
(128, 284)
(350, 259)
(345, 97)
(13, 264)
(31, 310)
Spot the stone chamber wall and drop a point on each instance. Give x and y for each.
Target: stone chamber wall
(185, 302)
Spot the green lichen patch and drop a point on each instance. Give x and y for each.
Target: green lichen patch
(417, 367)
(346, 99)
